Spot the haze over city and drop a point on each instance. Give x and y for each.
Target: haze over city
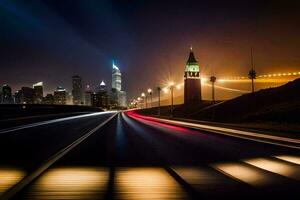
(52, 40)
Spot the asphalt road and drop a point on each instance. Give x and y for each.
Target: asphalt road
(127, 157)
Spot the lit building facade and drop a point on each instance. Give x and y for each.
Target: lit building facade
(39, 92)
(60, 96)
(116, 78)
(192, 80)
(117, 95)
(77, 90)
(48, 99)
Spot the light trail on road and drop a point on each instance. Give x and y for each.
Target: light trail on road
(8, 130)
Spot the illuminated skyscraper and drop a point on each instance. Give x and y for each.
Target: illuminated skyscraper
(192, 80)
(117, 94)
(77, 90)
(39, 92)
(116, 78)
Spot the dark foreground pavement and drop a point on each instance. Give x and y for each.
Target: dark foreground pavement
(128, 157)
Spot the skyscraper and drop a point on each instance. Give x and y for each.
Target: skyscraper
(77, 90)
(116, 78)
(6, 94)
(60, 96)
(117, 94)
(192, 80)
(39, 92)
(88, 96)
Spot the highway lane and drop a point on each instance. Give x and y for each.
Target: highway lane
(26, 147)
(18, 121)
(135, 158)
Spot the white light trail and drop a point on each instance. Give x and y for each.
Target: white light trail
(53, 121)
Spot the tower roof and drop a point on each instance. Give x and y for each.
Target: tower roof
(115, 66)
(102, 83)
(192, 58)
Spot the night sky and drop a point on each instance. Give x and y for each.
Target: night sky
(51, 40)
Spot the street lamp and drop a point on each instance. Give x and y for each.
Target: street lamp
(213, 80)
(145, 99)
(158, 92)
(139, 100)
(150, 93)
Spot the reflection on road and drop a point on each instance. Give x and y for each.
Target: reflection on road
(147, 183)
(278, 167)
(244, 173)
(9, 177)
(155, 182)
(292, 159)
(70, 183)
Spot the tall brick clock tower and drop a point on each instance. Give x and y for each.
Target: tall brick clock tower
(192, 80)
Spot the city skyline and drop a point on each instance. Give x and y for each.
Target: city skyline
(49, 43)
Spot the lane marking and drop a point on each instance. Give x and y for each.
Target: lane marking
(8, 130)
(28, 179)
(257, 137)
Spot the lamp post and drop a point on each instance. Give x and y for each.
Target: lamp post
(150, 93)
(213, 80)
(139, 99)
(145, 99)
(158, 92)
(252, 72)
(171, 86)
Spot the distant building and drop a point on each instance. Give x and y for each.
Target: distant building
(101, 97)
(192, 81)
(122, 99)
(48, 99)
(60, 96)
(77, 90)
(116, 78)
(88, 96)
(102, 86)
(26, 95)
(18, 97)
(69, 98)
(6, 95)
(39, 92)
(113, 101)
(117, 95)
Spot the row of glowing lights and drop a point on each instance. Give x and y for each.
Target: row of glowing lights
(203, 79)
(165, 90)
(267, 76)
